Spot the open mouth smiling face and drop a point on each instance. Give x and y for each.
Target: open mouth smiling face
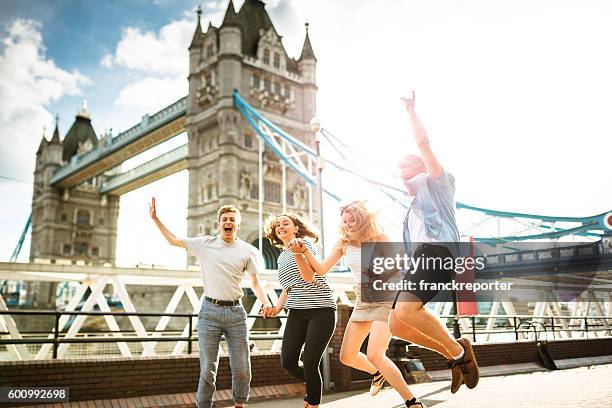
(348, 221)
(285, 229)
(228, 224)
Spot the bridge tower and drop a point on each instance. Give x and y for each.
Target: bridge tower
(245, 53)
(77, 224)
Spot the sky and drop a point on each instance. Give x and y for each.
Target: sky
(515, 95)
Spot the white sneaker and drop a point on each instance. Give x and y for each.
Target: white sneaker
(377, 383)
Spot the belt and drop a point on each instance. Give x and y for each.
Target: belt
(222, 302)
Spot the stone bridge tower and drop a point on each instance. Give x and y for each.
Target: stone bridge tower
(76, 225)
(245, 53)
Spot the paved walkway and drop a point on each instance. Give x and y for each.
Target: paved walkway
(585, 386)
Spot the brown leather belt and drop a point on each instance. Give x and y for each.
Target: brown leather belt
(222, 302)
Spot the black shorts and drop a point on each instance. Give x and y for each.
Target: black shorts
(436, 273)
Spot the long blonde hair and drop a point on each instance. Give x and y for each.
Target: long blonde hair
(367, 226)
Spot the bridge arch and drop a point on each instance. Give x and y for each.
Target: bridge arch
(270, 253)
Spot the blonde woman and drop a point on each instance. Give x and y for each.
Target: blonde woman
(311, 319)
(359, 226)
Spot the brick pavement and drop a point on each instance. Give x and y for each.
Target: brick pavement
(587, 386)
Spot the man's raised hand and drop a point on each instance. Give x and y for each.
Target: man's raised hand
(152, 210)
(409, 102)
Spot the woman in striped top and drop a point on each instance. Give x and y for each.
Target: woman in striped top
(359, 231)
(311, 318)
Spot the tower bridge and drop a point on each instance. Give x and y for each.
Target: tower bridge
(252, 142)
(247, 115)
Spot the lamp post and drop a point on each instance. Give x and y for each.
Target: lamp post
(315, 126)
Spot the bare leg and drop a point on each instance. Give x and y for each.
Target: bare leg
(377, 347)
(403, 331)
(354, 335)
(410, 311)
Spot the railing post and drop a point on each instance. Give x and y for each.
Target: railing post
(56, 334)
(190, 331)
(552, 326)
(474, 328)
(516, 336)
(586, 327)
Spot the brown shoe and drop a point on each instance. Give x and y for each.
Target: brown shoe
(468, 365)
(457, 376)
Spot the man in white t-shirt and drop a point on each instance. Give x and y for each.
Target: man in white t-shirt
(224, 259)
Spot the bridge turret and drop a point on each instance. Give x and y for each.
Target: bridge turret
(230, 53)
(244, 53)
(195, 49)
(307, 65)
(55, 147)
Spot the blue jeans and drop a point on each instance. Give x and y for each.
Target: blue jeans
(213, 321)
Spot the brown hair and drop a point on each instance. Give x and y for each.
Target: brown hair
(228, 208)
(305, 229)
(367, 227)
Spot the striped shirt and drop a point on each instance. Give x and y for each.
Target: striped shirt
(302, 294)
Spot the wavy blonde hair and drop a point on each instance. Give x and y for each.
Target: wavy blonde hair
(305, 229)
(367, 227)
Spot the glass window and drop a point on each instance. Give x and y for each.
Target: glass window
(248, 141)
(95, 251)
(255, 191)
(272, 191)
(256, 82)
(275, 88)
(266, 56)
(80, 248)
(290, 200)
(82, 217)
(266, 84)
(67, 249)
(276, 60)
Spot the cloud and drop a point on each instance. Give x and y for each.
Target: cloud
(163, 53)
(160, 60)
(151, 94)
(29, 81)
(107, 61)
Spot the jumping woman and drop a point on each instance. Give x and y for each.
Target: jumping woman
(311, 318)
(357, 227)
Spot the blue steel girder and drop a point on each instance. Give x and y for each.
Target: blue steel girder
(258, 122)
(151, 131)
(586, 225)
(17, 250)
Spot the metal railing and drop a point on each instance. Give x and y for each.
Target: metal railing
(516, 325)
(513, 323)
(56, 339)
